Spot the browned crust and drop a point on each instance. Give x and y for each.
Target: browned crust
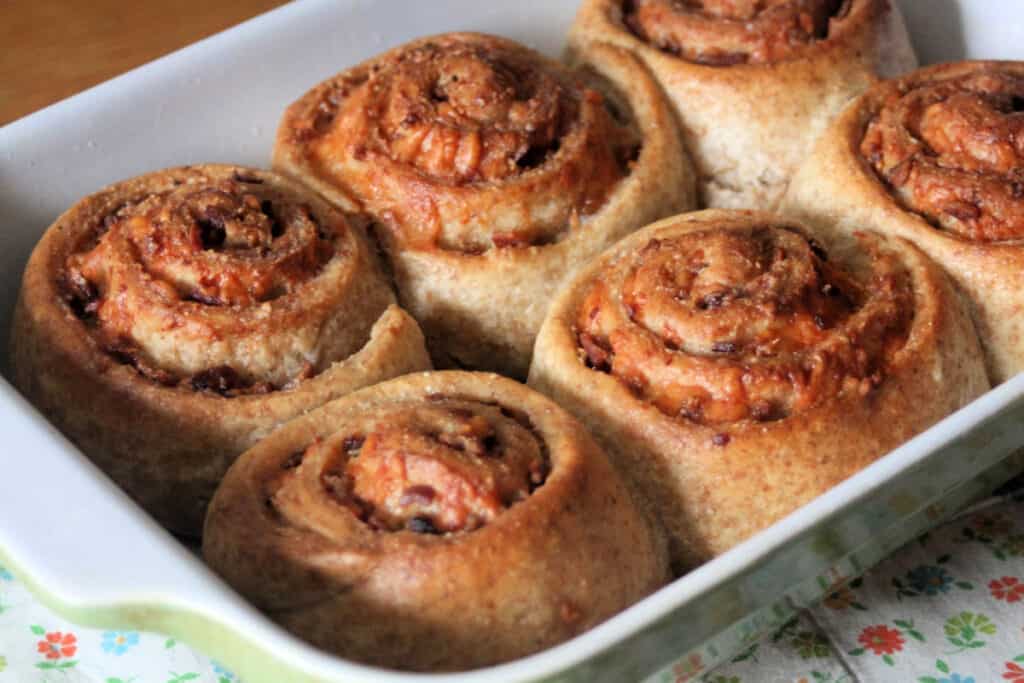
(748, 126)
(712, 493)
(838, 192)
(483, 310)
(569, 556)
(169, 446)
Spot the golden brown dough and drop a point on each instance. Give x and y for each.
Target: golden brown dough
(936, 158)
(492, 173)
(735, 368)
(753, 83)
(435, 522)
(168, 322)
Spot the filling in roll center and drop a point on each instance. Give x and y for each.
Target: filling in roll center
(720, 326)
(443, 467)
(728, 32)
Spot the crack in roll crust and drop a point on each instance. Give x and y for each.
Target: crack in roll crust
(952, 150)
(436, 522)
(728, 32)
(469, 143)
(735, 367)
(445, 467)
(717, 327)
(210, 304)
(752, 82)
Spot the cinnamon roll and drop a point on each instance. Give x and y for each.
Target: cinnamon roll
(491, 173)
(735, 368)
(754, 82)
(435, 522)
(168, 322)
(937, 158)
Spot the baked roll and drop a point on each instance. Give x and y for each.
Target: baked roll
(937, 158)
(167, 323)
(735, 368)
(491, 173)
(435, 522)
(753, 83)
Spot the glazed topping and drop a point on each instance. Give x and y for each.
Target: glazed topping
(953, 151)
(727, 32)
(175, 281)
(717, 326)
(467, 143)
(443, 467)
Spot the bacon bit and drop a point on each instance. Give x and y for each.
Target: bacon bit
(900, 174)
(962, 211)
(721, 58)
(511, 239)
(721, 439)
(240, 177)
(293, 461)
(419, 494)
(353, 444)
(220, 380)
(322, 121)
(763, 411)
(204, 299)
(84, 297)
(817, 249)
(336, 483)
(423, 525)
(569, 613)
(598, 358)
(711, 301)
(636, 385)
(653, 245)
(538, 474)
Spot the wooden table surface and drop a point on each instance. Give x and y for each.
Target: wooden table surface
(51, 49)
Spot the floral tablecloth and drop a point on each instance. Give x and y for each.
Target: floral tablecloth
(947, 608)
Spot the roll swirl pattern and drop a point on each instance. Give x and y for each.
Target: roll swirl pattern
(753, 82)
(937, 158)
(439, 521)
(169, 321)
(735, 367)
(728, 32)
(491, 172)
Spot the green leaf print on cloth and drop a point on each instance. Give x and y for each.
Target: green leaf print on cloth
(964, 630)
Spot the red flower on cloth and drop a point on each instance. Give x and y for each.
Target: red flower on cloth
(1014, 672)
(58, 645)
(881, 639)
(689, 668)
(1009, 588)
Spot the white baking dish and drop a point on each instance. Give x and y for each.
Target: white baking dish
(89, 553)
